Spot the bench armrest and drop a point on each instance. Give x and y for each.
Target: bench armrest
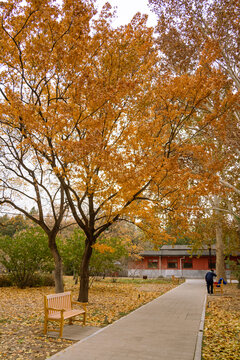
(54, 309)
(84, 305)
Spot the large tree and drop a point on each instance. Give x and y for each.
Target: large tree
(95, 106)
(186, 30)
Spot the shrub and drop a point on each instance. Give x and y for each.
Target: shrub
(41, 280)
(48, 280)
(24, 255)
(37, 280)
(5, 280)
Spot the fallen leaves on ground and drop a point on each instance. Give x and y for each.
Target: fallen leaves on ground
(21, 314)
(222, 326)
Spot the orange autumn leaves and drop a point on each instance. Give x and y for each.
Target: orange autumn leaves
(103, 248)
(99, 113)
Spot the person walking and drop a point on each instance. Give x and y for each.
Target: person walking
(209, 280)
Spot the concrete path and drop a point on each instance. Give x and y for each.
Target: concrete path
(165, 328)
(75, 332)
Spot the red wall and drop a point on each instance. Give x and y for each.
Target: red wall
(162, 262)
(201, 263)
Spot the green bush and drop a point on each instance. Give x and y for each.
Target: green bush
(24, 255)
(41, 280)
(5, 280)
(37, 280)
(48, 280)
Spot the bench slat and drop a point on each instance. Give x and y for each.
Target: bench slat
(67, 314)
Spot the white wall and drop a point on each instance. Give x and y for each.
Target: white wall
(150, 273)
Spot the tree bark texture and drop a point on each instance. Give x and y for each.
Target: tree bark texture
(84, 273)
(58, 271)
(220, 257)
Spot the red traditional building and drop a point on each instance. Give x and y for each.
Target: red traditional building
(175, 260)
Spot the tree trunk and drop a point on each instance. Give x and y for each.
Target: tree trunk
(220, 257)
(58, 272)
(210, 255)
(84, 273)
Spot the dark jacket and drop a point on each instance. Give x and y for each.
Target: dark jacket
(209, 276)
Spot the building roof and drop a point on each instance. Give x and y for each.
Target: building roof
(178, 250)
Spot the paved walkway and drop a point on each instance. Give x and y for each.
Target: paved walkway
(165, 328)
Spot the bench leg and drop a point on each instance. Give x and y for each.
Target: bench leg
(45, 325)
(61, 327)
(70, 322)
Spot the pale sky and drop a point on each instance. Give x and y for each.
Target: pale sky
(126, 9)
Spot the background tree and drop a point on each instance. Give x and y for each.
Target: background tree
(25, 183)
(71, 248)
(109, 256)
(186, 30)
(10, 225)
(106, 258)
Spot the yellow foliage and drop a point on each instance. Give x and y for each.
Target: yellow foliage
(103, 248)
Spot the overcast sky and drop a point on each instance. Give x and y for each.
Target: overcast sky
(127, 9)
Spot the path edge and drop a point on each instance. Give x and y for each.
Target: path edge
(198, 348)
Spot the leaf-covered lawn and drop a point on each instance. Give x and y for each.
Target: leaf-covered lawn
(222, 326)
(21, 314)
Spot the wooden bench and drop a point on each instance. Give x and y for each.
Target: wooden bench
(218, 287)
(59, 307)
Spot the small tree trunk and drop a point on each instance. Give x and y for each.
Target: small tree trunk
(75, 277)
(84, 273)
(220, 257)
(58, 272)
